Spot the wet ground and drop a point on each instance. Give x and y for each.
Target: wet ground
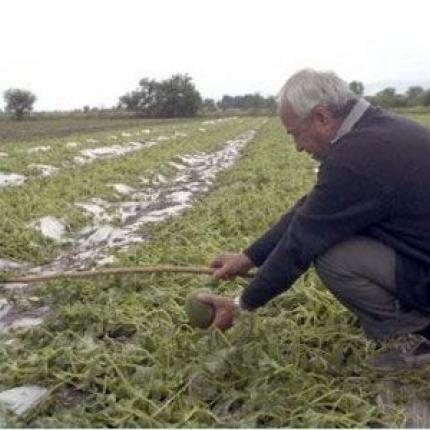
(112, 225)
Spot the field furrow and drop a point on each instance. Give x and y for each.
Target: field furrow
(118, 352)
(25, 208)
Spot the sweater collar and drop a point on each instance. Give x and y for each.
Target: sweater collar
(352, 118)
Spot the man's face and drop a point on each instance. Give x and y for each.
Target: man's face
(313, 133)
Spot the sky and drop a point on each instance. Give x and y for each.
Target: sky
(72, 53)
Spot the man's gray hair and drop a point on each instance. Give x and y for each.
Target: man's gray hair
(309, 88)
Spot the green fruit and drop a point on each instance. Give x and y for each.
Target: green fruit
(200, 314)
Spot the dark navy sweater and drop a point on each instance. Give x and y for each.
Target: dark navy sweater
(374, 181)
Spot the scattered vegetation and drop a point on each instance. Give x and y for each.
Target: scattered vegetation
(119, 352)
(19, 102)
(175, 97)
(57, 195)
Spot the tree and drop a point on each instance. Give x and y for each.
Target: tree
(226, 102)
(271, 105)
(426, 98)
(356, 87)
(171, 98)
(249, 102)
(208, 105)
(19, 102)
(179, 97)
(145, 100)
(415, 95)
(389, 98)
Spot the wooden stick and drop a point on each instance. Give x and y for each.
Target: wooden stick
(115, 271)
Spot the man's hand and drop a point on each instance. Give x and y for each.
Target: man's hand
(229, 264)
(224, 310)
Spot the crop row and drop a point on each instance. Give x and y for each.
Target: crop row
(58, 194)
(119, 352)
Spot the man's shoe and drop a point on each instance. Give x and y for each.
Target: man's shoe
(414, 353)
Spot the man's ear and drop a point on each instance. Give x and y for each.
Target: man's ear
(323, 116)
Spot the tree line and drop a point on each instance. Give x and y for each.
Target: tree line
(177, 97)
(389, 98)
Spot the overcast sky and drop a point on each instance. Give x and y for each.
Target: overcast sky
(72, 53)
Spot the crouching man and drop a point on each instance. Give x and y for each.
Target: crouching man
(365, 225)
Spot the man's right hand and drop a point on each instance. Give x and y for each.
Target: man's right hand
(229, 264)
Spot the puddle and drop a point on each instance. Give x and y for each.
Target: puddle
(6, 264)
(219, 120)
(15, 287)
(21, 399)
(44, 169)
(5, 307)
(177, 165)
(181, 196)
(108, 260)
(86, 156)
(39, 149)
(91, 154)
(72, 144)
(14, 318)
(162, 198)
(9, 179)
(123, 189)
(51, 227)
(97, 208)
(25, 323)
(160, 179)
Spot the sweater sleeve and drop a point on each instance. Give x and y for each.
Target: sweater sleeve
(342, 203)
(263, 246)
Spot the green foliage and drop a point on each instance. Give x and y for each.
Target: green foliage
(389, 98)
(120, 352)
(249, 102)
(415, 96)
(356, 87)
(426, 98)
(171, 98)
(56, 196)
(19, 102)
(209, 106)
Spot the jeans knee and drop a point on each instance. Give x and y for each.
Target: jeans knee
(336, 267)
(329, 263)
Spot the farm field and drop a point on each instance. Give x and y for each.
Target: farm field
(62, 125)
(118, 351)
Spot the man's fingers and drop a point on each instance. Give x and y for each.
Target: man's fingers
(223, 312)
(216, 262)
(221, 273)
(206, 298)
(225, 272)
(223, 321)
